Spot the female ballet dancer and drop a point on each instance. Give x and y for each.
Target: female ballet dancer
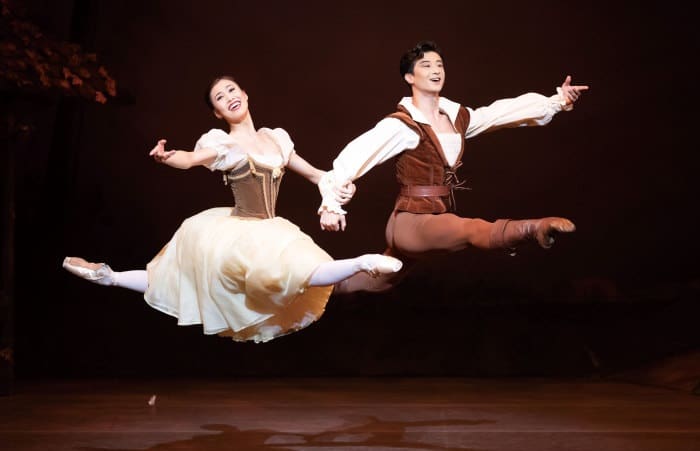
(241, 272)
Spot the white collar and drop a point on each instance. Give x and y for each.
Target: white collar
(449, 107)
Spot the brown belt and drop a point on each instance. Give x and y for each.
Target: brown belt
(425, 190)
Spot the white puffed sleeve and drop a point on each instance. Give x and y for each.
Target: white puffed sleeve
(284, 141)
(228, 153)
(387, 139)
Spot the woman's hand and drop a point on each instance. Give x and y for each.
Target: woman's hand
(344, 193)
(159, 153)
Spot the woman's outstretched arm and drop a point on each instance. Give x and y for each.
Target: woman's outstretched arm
(182, 159)
(304, 168)
(297, 164)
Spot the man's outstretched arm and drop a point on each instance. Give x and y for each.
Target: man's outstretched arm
(529, 109)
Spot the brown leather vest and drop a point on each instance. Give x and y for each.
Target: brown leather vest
(426, 178)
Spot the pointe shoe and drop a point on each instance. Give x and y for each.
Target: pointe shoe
(99, 273)
(376, 264)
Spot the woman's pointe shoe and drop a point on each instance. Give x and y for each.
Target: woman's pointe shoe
(376, 264)
(99, 273)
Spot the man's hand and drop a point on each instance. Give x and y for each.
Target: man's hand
(332, 221)
(571, 93)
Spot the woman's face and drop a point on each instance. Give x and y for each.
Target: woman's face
(428, 73)
(229, 100)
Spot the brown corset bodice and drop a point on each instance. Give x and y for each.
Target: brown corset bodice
(255, 187)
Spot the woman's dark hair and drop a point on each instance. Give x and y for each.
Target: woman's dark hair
(408, 59)
(207, 93)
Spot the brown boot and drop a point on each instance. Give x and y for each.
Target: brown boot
(507, 233)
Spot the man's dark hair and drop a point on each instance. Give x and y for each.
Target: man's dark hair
(408, 59)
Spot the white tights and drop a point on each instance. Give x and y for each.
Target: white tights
(136, 280)
(328, 273)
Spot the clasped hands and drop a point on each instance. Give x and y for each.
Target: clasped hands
(334, 222)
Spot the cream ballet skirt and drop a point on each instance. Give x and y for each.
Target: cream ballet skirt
(244, 278)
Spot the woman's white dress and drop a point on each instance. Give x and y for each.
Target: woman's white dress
(241, 272)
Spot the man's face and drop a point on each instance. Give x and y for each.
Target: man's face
(428, 74)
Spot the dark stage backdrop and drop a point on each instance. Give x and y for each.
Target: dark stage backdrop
(621, 291)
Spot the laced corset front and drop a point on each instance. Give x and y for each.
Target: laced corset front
(255, 187)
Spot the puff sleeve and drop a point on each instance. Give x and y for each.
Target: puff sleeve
(228, 153)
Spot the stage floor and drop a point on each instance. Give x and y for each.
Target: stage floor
(348, 414)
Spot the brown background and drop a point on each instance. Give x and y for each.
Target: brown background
(621, 291)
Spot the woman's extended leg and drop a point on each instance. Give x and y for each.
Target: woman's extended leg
(333, 272)
(326, 274)
(102, 274)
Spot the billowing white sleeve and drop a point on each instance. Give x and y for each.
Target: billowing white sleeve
(228, 153)
(387, 139)
(525, 110)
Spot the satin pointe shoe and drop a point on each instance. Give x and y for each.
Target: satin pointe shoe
(99, 273)
(376, 264)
